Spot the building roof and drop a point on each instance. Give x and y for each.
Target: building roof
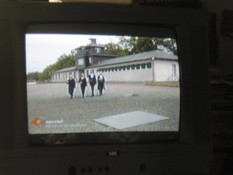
(67, 69)
(157, 54)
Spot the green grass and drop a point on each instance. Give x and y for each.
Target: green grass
(169, 84)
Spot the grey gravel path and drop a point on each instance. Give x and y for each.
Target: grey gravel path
(51, 102)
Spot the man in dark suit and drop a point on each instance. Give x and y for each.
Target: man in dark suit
(83, 84)
(92, 81)
(101, 82)
(71, 86)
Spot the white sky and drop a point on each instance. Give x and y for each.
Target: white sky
(44, 49)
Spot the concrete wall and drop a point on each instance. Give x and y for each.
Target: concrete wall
(63, 76)
(137, 75)
(160, 70)
(163, 70)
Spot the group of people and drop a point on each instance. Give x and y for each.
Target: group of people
(83, 81)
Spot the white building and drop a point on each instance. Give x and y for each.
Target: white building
(151, 66)
(63, 74)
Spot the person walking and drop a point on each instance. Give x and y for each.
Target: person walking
(71, 86)
(101, 83)
(83, 84)
(92, 81)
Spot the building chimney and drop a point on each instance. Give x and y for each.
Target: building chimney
(93, 40)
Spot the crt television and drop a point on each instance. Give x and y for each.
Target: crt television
(36, 142)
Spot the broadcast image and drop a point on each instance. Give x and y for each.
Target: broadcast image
(101, 83)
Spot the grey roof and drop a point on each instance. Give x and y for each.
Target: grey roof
(67, 69)
(94, 45)
(157, 54)
(90, 45)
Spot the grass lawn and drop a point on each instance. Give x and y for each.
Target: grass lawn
(170, 84)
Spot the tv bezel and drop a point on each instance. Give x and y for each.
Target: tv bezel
(191, 27)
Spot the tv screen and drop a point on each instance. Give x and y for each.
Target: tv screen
(92, 88)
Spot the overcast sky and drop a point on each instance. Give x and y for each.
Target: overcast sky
(44, 49)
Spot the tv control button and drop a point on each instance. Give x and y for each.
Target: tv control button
(90, 170)
(142, 167)
(107, 168)
(72, 170)
(100, 169)
(83, 170)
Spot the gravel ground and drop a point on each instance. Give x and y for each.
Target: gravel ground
(51, 102)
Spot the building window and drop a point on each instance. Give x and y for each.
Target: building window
(98, 50)
(133, 67)
(174, 69)
(148, 65)
(143, 66)
(137, 66)
(90, 60)
(80, 61)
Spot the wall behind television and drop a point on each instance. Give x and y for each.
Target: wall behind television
(224, 61)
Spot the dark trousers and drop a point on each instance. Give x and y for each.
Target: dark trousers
(92, 89)
(71, 92)
(100, 87)
(101, 91)
(83, 90)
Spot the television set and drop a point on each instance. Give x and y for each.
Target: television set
(138, 125)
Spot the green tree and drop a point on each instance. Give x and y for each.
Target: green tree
(171, 45)
(33, 76)
(142, 44)
(115, 49)
(133, 45)
(47, 72)
(62, 62)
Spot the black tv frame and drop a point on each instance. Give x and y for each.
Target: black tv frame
(189, 154)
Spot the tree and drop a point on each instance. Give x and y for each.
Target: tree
(62, 62)
(133, 45)
(33, 76)
(142, 44)
(115, 49)
(47, 72)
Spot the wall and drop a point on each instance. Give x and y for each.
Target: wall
(63, 76)
(136, 75)
(160, 70)
(163, 70)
